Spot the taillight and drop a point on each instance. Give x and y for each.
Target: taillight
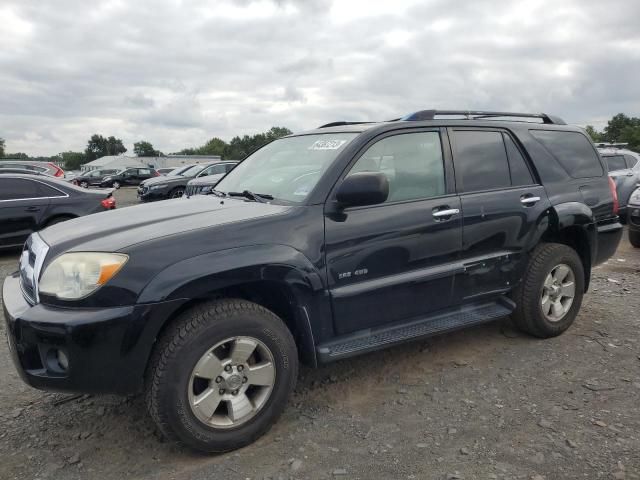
(109, 203)
(614, 193)
(59, 171)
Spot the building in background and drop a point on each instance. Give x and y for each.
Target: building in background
(168, 161)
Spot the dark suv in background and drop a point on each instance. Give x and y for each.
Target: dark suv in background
(624, 167)
(317, 247)
(128, 177)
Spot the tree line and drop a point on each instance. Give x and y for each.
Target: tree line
(620, 129)
(99, 146)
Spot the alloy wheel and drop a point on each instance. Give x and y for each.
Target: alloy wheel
(558, 292)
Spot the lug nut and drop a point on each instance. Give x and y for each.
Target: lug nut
(227, 368)
(221, 391)
(244, 379)
(240, 368)
(218, 379)
(235, 392)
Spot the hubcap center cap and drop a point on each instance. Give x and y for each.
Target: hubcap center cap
(234, 381)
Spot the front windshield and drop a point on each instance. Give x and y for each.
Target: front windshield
(193, 171)
(287, 169)
(176, 172)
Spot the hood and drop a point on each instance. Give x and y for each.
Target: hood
(115, 230)
(161, 180)
(208, 180)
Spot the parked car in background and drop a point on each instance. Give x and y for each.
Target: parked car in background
(204, 184)
(71, 174)
(129, 177)
(633, 218)
(41, 167)
(623, 166)
(165, 171)
(92, 178)
(29, 203)
(174, 186)
(317, 247)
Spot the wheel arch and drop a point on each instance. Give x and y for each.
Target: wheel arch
(573, 224)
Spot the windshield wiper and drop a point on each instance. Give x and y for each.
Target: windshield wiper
(217, 193)
(256, 197)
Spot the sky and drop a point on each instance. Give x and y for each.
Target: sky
(178, 72)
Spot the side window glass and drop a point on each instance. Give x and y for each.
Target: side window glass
(217, 170)
(520, 173)
(144, 171)
(47, 191)
(573, 150)
(229, 167)
(17, 189)
(631, 161)
(615, 162)
(480, 160)
(412, 163)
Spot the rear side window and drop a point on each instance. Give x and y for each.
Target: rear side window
(615, 162)
(480, 160)
(47, 191)
(17, 189)
(572, 149)
(520, 173)
(631, 161)
(229, 167)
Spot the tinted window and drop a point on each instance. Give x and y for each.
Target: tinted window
(144, 171)
(16, 188)
(214, 170)
(229, 166)
(412, 163)
(572, 149)
(480, 161)
(129, 173)
(615, 162)
(631, 161)
(47, 191)
(520, 174)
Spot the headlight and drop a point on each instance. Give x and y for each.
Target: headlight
(73, 276)
(635, 197)
(156, 187)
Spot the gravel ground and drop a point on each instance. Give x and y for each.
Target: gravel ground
(487, 403)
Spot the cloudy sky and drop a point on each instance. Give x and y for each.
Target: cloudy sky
(177, 73)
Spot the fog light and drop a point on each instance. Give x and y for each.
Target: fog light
(63, 361)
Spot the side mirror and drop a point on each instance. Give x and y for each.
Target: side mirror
(363, 188)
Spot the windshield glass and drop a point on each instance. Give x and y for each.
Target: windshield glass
(287, 169)
(193, 171)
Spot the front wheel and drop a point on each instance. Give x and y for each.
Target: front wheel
(550, 294)
(634, 238)
(116, 185)
(221, 375)
(176, 193)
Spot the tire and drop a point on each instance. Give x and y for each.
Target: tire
(172, 376)
(176, 193)
(116, 185)
(56, 220)
(634, 238)
(548, 259)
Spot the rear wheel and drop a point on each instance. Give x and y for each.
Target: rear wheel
(221, 375)
(116, 185)
(84, 184)
(550, 294)
(634, 238)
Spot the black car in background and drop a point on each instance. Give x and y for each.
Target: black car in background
(29, 203)
(128, 176)
(92, 178)
(162, 188)
(204, 184)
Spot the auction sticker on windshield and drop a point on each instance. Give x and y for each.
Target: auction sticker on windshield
(327, 144)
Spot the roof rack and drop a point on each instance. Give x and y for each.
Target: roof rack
(341, 124)
(479, 114)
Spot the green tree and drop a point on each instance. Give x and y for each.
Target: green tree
(17, 155)
(618, 124)
(145, 149)
(631, 135)
(73, 160)
(2, 147)
(99, 146)
(595, 135)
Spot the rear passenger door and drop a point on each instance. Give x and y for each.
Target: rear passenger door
(501, 204)
(22, 207)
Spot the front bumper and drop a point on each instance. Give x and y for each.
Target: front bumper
(107, 349)
(151, 195)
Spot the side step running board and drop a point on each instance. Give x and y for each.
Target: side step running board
(382, 337)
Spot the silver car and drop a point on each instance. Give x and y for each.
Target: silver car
(624, 167)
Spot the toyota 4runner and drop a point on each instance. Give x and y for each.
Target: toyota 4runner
(319, 246)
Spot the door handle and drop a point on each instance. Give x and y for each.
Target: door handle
(444, 213)
(529, 201)
(32, 209)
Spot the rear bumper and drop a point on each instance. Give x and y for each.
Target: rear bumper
(609, 236)
(107, 349)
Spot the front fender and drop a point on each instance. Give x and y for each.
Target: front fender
(200, 276)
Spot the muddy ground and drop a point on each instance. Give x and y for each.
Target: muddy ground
(485, 403)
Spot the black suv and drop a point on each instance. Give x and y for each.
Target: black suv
(129, 176)
(317, 247)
